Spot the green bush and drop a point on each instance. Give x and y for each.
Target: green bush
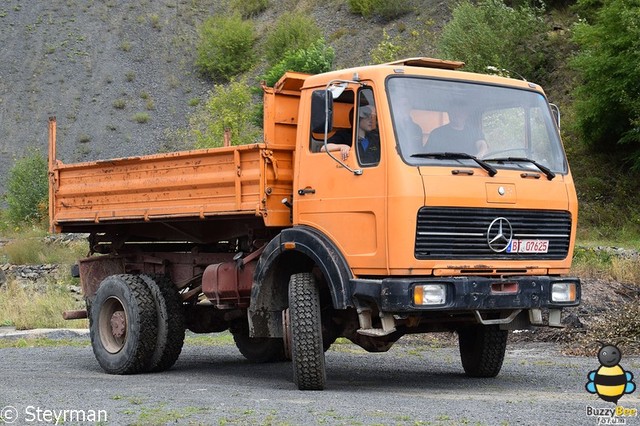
(141, 117)
(293, 31)
(228, 107)
(28, 189)
(607, 108)
(389, 49)
(385, 9)
(405, 44)
(249, 8)
(226, 47)
(317, 58)
(492, 34)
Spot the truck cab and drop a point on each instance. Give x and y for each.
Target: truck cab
(468, 229)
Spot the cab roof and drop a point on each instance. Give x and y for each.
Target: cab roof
(418, 66)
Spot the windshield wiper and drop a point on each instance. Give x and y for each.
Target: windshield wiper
(457, 156)
(550, 175)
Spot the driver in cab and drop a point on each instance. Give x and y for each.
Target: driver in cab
(459, 135)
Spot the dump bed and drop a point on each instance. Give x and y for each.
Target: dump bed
(240, 181)
(174, 196)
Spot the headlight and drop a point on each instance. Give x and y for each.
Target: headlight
(563, 292)
(430, 294)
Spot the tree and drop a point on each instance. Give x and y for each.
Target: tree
(316, 58)
(608, 99)
(228, 107)
(493, 34)
(28, 188)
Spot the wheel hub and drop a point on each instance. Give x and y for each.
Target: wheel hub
(118, 323)
(112, 325)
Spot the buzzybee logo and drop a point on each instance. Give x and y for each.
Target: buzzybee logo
(610, 381)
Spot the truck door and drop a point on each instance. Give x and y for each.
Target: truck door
(350, 209)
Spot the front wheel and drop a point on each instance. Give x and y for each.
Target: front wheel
(482, 349)
(306, 333)
(123, 324)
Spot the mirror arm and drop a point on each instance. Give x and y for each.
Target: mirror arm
(555, 109)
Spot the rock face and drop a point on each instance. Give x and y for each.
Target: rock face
(28, 276)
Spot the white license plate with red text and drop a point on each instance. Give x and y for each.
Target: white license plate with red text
(528, 246)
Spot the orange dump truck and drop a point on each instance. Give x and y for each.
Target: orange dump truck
(408, 197)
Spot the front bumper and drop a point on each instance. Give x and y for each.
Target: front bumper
(472, 293)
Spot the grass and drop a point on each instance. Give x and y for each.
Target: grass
(594, 262)
(119, 104)
(25, 307)
(28, 308)
(141, 117)
(42, 342)
(219, 339)
(31, 249)
(126, 46)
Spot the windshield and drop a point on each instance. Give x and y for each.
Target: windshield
(500, 125)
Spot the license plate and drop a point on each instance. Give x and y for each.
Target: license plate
(528, 246)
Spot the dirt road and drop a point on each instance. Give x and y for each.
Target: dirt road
(410, 385)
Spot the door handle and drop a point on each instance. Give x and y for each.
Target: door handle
(307, 190)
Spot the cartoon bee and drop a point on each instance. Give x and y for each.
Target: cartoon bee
(610, 381)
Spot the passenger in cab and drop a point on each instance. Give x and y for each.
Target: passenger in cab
(368, 139)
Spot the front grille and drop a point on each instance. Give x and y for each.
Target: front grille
(461, 233)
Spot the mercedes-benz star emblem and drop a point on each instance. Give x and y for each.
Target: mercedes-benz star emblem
(499, 234)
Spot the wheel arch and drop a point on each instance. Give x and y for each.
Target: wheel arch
(294, 250)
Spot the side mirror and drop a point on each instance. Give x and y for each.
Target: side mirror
(321, 111)
(556, 113)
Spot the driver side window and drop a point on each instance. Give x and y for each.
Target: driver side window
(367, 134)
(342, 131)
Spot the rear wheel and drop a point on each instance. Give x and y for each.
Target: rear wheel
(306, 333)
(170, 322)
(482, 349)
(123, 324)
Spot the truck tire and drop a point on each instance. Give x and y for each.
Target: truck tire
(123, 324)
(170, 322)
(306, 333)
(482, 349)
(257, 349)
(329, 335)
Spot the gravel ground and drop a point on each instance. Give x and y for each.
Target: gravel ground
(411, 384)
